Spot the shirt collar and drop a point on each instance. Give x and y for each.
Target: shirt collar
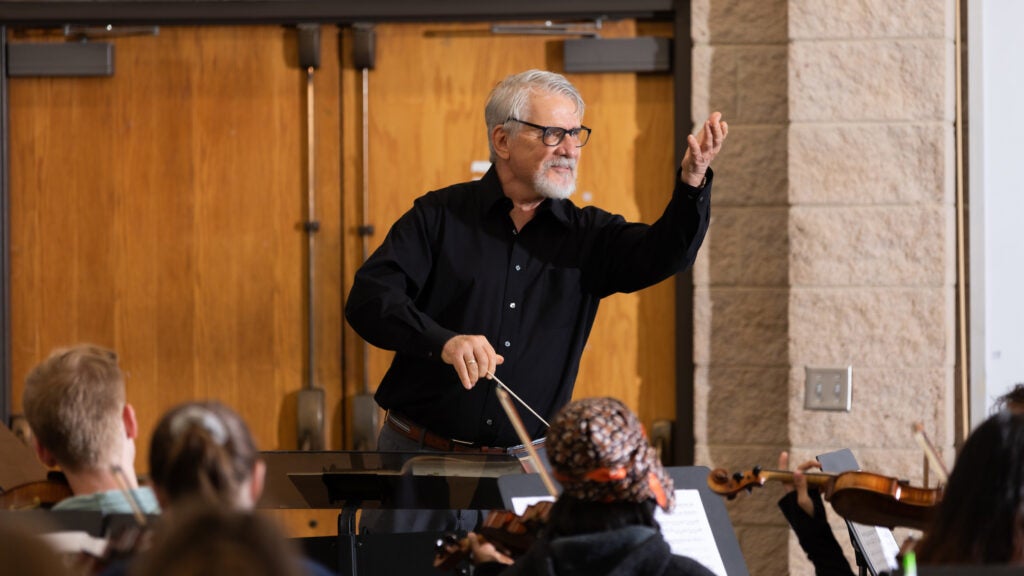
(495, 199)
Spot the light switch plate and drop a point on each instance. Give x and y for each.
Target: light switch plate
(828, 389)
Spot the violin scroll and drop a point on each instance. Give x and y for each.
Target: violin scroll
(729, 485)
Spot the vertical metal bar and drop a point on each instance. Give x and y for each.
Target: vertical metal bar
(5, 239)
(365, 236)
(311, 227)
(682, 67)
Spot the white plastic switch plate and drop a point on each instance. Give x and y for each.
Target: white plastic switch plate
(828, 389)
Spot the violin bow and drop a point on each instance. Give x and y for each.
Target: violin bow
(524, 437)
(122, 482)
(930, 452)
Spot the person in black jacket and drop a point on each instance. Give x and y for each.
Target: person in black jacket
(602, 524)
(804, 510)
(979, 519)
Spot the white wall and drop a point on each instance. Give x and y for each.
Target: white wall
(996, 160)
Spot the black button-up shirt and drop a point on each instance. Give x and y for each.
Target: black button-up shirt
(455, 264)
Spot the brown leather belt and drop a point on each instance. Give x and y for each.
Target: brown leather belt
(428, 439)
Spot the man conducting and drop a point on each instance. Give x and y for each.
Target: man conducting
(507, 272)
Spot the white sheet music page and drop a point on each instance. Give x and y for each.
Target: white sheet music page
(688, 532)
(521, 503)
(879, 547)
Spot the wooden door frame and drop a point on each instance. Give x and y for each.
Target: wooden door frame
(53, 13)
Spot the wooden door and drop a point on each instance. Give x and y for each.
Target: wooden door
(159, 212)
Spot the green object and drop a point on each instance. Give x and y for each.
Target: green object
(909, 564)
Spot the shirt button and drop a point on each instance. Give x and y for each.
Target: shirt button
(490, 422)
(512, 305)
(518, 268)
(507, 343)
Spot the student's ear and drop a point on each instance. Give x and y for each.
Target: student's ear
(131, 425)
(259, 475)
(500, 140)
(44, 455)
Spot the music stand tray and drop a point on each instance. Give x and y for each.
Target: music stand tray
(406, 480)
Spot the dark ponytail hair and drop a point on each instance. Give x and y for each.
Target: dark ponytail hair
(979, 520)
(204, 450)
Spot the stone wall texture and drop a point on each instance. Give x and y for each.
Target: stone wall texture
(832, 241)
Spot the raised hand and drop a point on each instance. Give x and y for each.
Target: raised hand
(702, 149)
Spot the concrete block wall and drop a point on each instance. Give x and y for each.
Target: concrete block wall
(832, 241)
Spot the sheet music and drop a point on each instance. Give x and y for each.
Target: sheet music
(686, 529)
(688, 532)
(879, 547)
(444, 465)
(521, 503)
(75, 541)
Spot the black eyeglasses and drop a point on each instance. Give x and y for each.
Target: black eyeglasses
(553, 135)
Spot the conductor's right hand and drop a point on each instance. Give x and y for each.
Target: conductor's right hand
(472, 356)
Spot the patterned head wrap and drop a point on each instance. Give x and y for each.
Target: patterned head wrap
(599, 452)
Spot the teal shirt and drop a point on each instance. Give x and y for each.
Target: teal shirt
(111, 502)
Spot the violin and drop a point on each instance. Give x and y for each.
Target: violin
(510, 534)
(862, 497)
(36, 494)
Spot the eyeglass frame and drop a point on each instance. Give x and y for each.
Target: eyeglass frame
(574, 132)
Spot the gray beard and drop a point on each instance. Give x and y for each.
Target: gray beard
(549, 189)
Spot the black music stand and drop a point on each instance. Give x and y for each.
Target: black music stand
(872, 545)
(399, 481)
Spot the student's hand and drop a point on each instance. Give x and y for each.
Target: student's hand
(702, 149)
(472, 356)
(799, 482)
(483, 551)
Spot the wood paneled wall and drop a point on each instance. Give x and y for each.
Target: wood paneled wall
(159, 211)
